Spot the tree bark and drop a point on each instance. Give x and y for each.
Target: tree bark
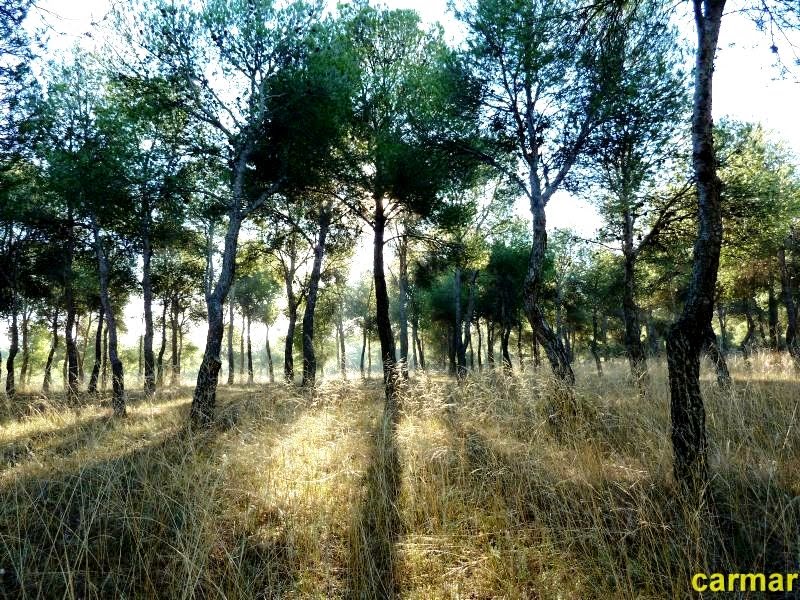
(382, 322)
(637, 359)
(594, 346)
(480, 344)
(26, 350)
(553, 346)
(402, 252)
(772, 305)
(747, 341)
(787, 291)
(686, 337)
(459, 343)
(163, 348)
(48, 366)
(98, 352)
(249, 355)
(117, 375)
(147, 296)
(231, 364)
(269, 360)
(69, 297)
(309, 356)
(724, 380)
(342, 354)
(11, 388)
(205, 393)
(363, 349)
(174, 380)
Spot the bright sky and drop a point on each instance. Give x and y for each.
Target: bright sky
(747, 87)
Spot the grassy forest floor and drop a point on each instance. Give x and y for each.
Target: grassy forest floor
(295, 494)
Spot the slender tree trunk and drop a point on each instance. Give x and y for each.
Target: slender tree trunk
(480, 345)
(553, 347)
(787, 291)
(504, 337)
(147, 295)
(309, 357)
(490, 325)
(594, 346)
(772, 303)
(686, 337)
(402, 252)
(174, 371)
(269, 360)
(11, 388)
(363, 349)
(369, 356)
(723, 331)
(342, 354)
(48, 366)
(724, 380)
(231, 365)
(519, 345)
(637, 359)
(452, 358)
(117, 375)
(98, 352)
(26, 350)
(288, 349)
(471, 354)
(104, 374)
(205, 393)
(141, 343)
(470, 312)
(249, 355)
(163, 348)
(459, 343)
(241, 350)
(71, 357)
(384, 325)
(747, 342)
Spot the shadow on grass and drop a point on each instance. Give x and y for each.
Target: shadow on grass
(377, 526)
(144, 516)
(630, 535)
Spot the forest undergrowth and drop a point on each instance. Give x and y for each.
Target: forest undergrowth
(475, 493)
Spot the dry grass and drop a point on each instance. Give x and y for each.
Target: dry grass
(474, 495)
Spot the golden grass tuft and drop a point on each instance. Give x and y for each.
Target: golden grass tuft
(473, 494)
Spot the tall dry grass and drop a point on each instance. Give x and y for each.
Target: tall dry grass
(474, 494)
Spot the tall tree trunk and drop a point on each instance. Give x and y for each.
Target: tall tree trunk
(139, 354)
(288, 348)
(490, 325)
(402, 254)
(309, 357)
(71, 357)
(82, 354)
(98, 352)
(342, 353)
(505, 335)
(716, 357)
(594, 346)
(249, 355)
(553, 347)
(459, 343)
(173, 320)
(723, 330)
(369, 356)
(686, 337)
(480, 344)
(104, 373)
(470, 312)
(205, 392)
(147, 297)
(231, 364)
(163, 348)
(772, 304)
(117, 375)
(363, 349)
(241, 350)
(269, 360)
(519, 345)
(452, 353)
(637, 359)
(747, 341)
(48, 366)
(26, 349)
(382, 322)
(11, 388)
(787, 291)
